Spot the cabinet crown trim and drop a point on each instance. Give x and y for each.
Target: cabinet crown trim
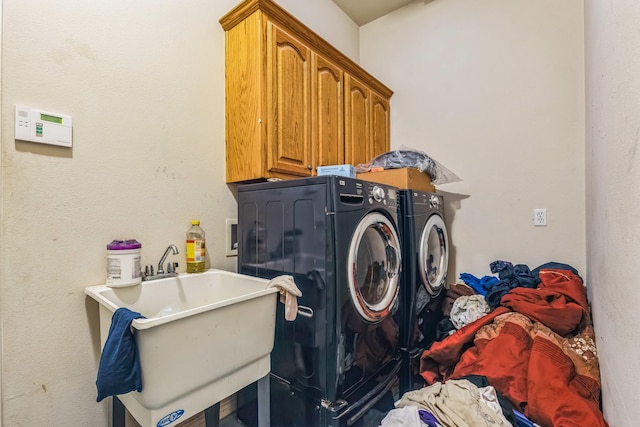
(277, 14)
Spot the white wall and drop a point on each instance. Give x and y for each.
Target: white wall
(500, 103)
(144, 83)
(613, 198)
(493, 90)
(1, 228)
(329, 22)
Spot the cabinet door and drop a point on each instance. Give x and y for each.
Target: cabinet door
(327, 112)
(288, 92)
(245, 115)
(356, 121)
(380, 120)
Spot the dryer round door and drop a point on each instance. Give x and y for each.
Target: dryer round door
(433, 255)
(374, 267)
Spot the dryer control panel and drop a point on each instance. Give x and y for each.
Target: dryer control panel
(428, 201)
(380, 194)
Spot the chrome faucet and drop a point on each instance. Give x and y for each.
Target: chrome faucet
(161, 274)
(174, 250)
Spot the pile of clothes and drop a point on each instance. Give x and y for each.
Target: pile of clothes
(525, 337)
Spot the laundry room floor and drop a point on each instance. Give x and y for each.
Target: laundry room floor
(231, 421)
(370, 419)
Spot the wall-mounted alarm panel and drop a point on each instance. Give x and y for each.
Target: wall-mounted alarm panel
(42, 126)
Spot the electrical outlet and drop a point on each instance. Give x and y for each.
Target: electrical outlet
(540, 217)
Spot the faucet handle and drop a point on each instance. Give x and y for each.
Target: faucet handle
(171, 267)
(148, 270)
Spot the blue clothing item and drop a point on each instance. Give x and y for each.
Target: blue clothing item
(427, 418)
(511, 277)
(481, 286)
(522, 420)
(119, 370)
(498, 266)
(552, 265)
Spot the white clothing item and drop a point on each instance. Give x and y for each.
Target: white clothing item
(489, 396)
(289, 294)
(467, 309)
(406, 416)
(455, 403)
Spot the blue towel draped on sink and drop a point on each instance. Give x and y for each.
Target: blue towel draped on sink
(119, 370)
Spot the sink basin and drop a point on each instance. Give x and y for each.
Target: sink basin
(205, 336)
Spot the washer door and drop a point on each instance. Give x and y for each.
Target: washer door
(433, 255)
(374, 267)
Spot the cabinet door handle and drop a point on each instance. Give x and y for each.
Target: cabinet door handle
(309, 167)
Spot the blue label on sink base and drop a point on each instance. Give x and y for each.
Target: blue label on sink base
(165, 421)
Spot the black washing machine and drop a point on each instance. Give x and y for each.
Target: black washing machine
(425, 248)
(339, 240)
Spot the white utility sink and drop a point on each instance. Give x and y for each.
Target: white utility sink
(205, 336)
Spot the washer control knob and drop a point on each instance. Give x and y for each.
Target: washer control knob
(378, 193)
(434, 201)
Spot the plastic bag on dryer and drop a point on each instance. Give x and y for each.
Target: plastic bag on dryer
(406, 157)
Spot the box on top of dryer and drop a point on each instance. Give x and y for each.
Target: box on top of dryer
(403, 178)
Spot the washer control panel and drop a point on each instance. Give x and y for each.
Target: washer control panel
(378, 193)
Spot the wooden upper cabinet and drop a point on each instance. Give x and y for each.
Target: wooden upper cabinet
(288, 104)
(366, 122)
(357, 121)
(327, 112)
(380, 125)
(293, 101)
(246, 119)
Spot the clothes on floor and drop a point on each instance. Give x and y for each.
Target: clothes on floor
(407, 416)
(428, 418)
(455, 291)
(456, 403)
(480, 286)
(499, 265)
(444, 328)
(510, 277)
(536, 349)
(523, 421)
(467, 309)
(553, 265)
(506, 407)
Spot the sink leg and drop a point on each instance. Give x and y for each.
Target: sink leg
(118, 413)
(212, 415)
(264, 402)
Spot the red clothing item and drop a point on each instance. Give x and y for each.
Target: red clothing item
(552, 379)
(559, 302)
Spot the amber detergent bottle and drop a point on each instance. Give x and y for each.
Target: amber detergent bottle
(195, 248)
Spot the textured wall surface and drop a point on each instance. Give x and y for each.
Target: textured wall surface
(612, 44)
(144, 84)
(493, 90)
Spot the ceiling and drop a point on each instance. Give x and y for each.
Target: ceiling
(364, 11)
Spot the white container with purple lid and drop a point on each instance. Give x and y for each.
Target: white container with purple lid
(123, 263)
